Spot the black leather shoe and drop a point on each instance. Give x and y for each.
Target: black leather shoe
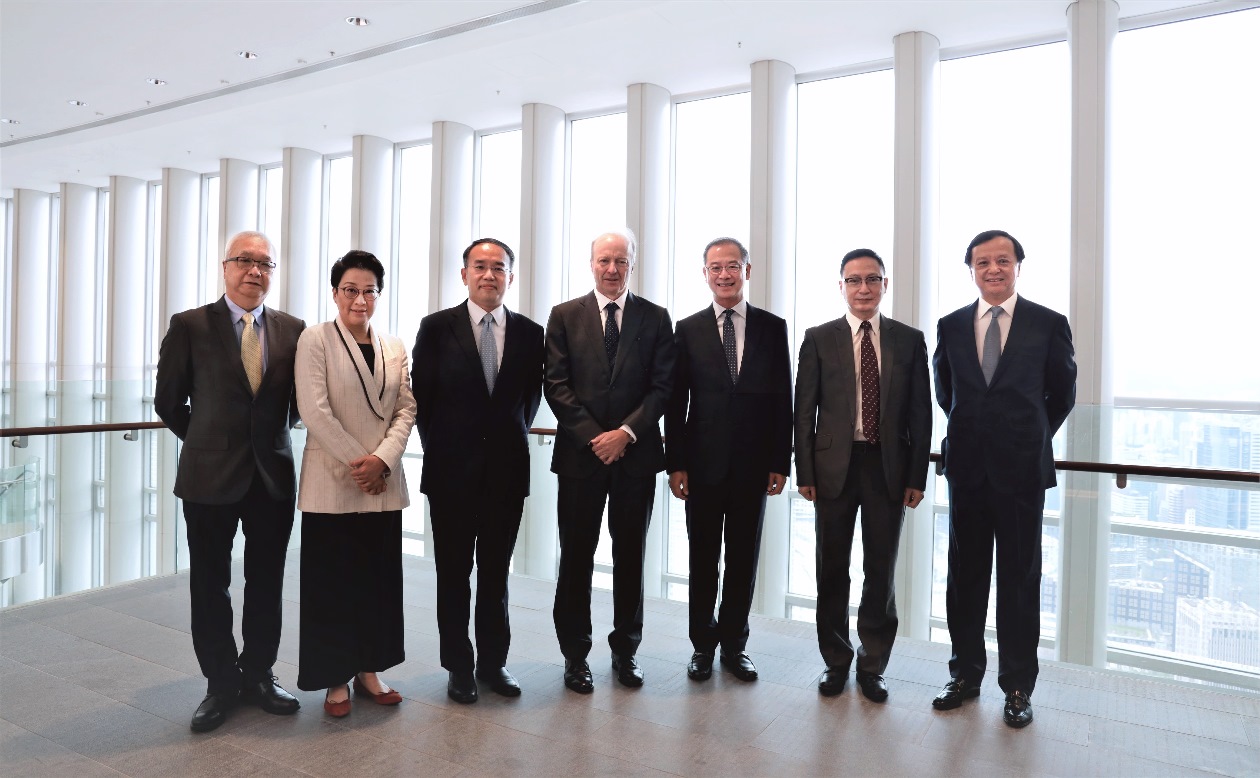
(577, 676)
(740, 666)
(873, 686)
(501, 681)
(268, 695)
(461, 687)
(833, 681)
(1017, 712)
(954, 693)
(212, 712)
(700, 668)
(628, 671)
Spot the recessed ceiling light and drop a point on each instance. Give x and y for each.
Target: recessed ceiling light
(357, 21)
(9, 121)
(156, 81)
(77, 103)
(246, 55)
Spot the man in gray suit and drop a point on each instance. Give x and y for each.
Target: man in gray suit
(863, 433)
(225, 388)
(610, 364)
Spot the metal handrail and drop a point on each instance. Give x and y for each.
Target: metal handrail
(1121, 472)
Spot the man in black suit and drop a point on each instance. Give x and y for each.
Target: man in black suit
(863, 433)
(225, 388)
(1006, 379)
(477, 377)
(728, 445)
(610, 364)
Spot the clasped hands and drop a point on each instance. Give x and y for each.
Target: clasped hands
(611, 445)
(368, 473)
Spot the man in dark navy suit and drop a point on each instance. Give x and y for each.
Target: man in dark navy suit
(1006, 379)
(476, 372)
(728, 446)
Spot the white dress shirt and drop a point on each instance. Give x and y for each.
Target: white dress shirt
(740, 322)
(499, 328)
(983, 317)
(855, 324)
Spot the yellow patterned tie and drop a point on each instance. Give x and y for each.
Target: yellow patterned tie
(251, 353)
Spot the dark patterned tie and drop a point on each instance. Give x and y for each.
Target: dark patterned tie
(611, 334)
(992, 346)
(489, 353)
(728, 344)
(870, 387)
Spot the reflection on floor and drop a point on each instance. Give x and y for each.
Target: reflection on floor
(104, 683)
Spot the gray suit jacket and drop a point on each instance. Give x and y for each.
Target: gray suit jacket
(826, 407)
(204, 397)
(588, 400)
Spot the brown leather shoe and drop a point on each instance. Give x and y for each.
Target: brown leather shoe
(387, 697)
(339, 709)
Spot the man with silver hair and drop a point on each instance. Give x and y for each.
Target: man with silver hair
(609, 370)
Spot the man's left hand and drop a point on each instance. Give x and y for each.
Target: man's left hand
(775, 484)
(913, 498)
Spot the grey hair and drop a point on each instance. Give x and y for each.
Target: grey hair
(247, 235)
(625, 233)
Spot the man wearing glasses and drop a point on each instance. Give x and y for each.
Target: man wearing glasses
(728, 446)
(863, 433)
(225, 388)
(1006, 379)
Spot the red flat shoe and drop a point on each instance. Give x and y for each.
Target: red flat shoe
(390, 697)
(340, 709)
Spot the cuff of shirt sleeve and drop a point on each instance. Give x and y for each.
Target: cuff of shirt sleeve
(630, 432)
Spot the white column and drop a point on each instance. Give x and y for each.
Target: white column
(451, 215)
(912, 270)
(539, 278)
(238, 202)
(125, 376)
(772, 251)
(1085, 524)
(299, 228)
(181, 262)
(31, 223)
(372, 210)
(649, 132)
(76, 367)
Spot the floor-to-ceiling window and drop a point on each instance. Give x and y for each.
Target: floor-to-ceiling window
(498, 212)
(597, 192)
(270, 202)
(338, 191)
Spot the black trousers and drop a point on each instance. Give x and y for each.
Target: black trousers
(352, 612)
(483, 526)
(979, 517)
(733, 509)
(580, 515)
(267, 523)
(835, 522)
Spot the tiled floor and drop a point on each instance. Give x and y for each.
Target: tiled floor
(104, 683)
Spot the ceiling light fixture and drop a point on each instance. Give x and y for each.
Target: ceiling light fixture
(246, 55)
(358, 21)
(9, 121)
(156, 81)
(77, 103)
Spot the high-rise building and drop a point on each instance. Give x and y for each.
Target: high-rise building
(1211, 628)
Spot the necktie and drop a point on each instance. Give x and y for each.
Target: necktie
(870, 386)
(992, 346)
(489, 353)
(611, 334)
(728, 344)
(251, 353)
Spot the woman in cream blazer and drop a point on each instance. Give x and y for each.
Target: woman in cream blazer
(354, 395)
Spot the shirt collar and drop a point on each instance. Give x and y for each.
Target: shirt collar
(1008, 305)
(620, 301)
(238, 311)
(740, 308)
(855, 323)
(476, 312)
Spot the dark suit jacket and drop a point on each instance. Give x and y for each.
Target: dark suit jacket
(1002, 431)
(474, 440)
(588, 401)
(203, 395)
(826, 407)
(714, 427)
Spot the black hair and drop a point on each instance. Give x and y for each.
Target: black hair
(860, 254)
(361, 260)
(511, 258)
(989, 235)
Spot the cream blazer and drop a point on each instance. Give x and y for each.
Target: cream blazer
(350, 411)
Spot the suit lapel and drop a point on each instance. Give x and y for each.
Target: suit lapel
(631, 321)
(1014, 339)
(844, 345)
(373, 384)
(511, 345)
(754, 336)
(461, 330)
(967, 324)
(226, 330)
(714, 351)
(888, 345)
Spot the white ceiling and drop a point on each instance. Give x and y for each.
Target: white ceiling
(318, 81)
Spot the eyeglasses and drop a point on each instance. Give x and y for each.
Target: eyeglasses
(853, 282)
(716, 270)
(353, 294)
(264, 266)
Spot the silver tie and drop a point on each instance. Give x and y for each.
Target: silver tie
(992, 346)
(489, 354)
